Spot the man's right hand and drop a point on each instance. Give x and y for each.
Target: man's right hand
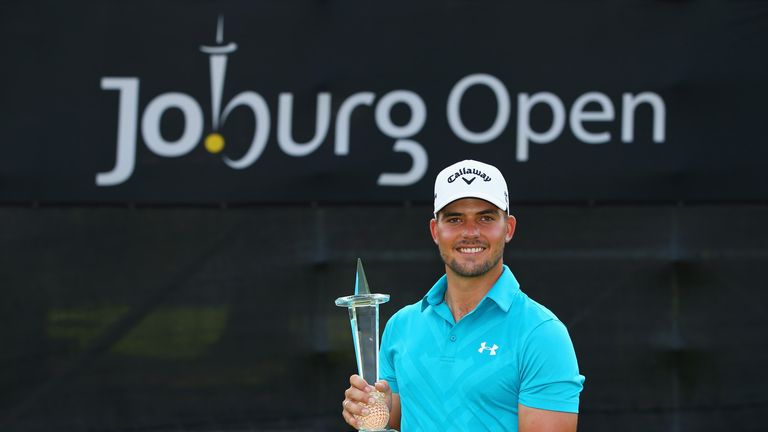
(359, 393)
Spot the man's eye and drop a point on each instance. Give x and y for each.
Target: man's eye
(453, 220)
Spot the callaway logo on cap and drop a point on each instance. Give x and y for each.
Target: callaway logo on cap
(471, 179)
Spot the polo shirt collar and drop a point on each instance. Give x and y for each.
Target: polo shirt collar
(502, 292)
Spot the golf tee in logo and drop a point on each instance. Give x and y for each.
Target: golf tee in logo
(492, 349)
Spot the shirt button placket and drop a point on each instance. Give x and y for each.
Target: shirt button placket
(450, 348)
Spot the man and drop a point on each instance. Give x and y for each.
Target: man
(475, 353)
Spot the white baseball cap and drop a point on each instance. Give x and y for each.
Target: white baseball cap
(471, 179)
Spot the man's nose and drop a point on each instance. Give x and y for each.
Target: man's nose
(471, 229)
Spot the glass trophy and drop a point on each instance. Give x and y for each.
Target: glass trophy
(364, 318)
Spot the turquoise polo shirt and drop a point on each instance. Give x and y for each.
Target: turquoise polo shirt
(471, 375)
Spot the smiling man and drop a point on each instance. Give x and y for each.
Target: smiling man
(476, 353)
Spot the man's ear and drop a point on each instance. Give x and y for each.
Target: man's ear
(511, 224)
(433, 229)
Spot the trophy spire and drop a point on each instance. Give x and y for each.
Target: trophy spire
(361, 283)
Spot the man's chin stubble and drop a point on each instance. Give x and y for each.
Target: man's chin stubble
(473, 271)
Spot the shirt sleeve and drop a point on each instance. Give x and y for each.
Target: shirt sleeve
(387, 356)
(550, 376)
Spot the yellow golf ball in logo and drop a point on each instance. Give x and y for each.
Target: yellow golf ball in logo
(214, 143)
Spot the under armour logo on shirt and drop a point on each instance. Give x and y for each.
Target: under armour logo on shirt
(492, 349)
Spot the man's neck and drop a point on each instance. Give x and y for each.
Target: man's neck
(464, 293)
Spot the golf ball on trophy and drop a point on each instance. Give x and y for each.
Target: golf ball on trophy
(378, 413)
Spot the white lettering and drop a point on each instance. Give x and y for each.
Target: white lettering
(418, 168)
(341, 148)
(261, 117)
(384, 110)
(193, 124)
(524, 130)
(400, 133)
(502, 108)
(602, 110)
(284, 125)
(578, 116)
(630, 102)
(127, 113)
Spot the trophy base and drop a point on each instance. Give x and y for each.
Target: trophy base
(378, 430)
(377, 418)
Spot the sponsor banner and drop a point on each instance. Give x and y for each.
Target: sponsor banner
(344, 102)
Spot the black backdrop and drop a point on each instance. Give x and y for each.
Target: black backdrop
(190, 295)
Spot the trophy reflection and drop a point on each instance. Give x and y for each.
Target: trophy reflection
(364, 318)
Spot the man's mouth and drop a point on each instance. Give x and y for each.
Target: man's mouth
(470, 250)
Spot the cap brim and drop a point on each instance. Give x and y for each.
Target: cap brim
(482, 196)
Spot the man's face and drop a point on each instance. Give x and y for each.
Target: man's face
(471, 234)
